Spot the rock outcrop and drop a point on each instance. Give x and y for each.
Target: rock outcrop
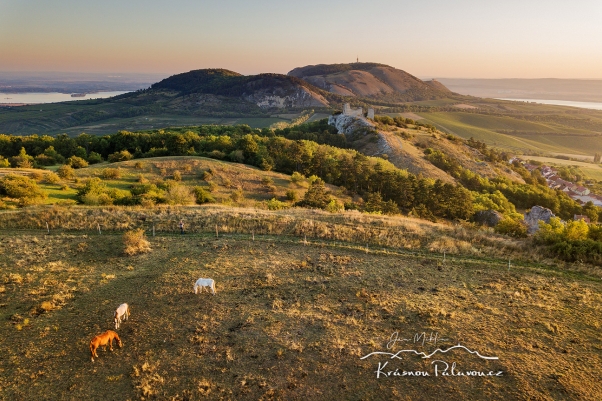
(292, 98)
(536, 214)
(348, 124)
(488, 218)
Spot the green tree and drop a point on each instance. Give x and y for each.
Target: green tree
(23, 160)
(94, 158)
(316, 196)
(374, 203)
(591, 211)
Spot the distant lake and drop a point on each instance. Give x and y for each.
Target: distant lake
(583, 105)
(51, 97)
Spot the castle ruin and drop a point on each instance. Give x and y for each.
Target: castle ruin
(359, 112)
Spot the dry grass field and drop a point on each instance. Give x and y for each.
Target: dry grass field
(292, 318)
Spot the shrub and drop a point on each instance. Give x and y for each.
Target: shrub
(206, 175)
(334, 206)
(178, 195)
(89, 193)
(22, 188)
(111, 173)
(66, 172)
(76, 162)
(37, 175)
(512, 227)
(4, 162)
(95, 199)
(202, 196)
(216, 154)
(384, 120)
(236, 156)
(138, 165)
(157, 152)
(134, 242)
(237, 195)
(120, 156)
(147, 202)
(275, 204)
(177, 176)
(94, 158)
(267, 181)
(296, 177)
(44, 160)
(52, 178)
(292, 196)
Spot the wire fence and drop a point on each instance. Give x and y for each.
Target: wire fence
(207, 233)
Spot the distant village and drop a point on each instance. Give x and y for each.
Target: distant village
(576, 192)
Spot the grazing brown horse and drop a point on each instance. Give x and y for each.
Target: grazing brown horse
(102, 340)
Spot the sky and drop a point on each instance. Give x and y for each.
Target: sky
(427, 38)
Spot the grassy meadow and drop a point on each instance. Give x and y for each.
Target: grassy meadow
(228, 183)
(298, 304)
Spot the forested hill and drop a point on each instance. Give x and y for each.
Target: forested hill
(370, 80)
(223, 82)
(209, 93)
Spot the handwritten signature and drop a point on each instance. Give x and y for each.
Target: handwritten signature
(421, 338)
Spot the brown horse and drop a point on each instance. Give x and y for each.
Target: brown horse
(102, 340)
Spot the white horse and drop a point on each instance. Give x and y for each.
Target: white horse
(121, 314)
(204, 282)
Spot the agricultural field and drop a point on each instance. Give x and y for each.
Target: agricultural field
(526, 128)
(304, 299)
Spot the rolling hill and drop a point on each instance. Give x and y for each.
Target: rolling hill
(371, 80)
(189, 98)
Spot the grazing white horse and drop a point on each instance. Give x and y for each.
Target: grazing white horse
(204, 282)
(121, 314)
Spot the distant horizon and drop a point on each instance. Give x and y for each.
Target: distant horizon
(115, 74)
(467, 39)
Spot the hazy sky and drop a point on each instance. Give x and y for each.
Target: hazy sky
(427, 38)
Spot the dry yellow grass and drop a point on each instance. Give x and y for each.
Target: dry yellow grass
(290, 320)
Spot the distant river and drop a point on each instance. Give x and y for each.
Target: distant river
(51, 97)
(583, 105)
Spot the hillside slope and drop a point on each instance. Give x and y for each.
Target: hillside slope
(291, 319)
(370, 80)
(404, 147)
